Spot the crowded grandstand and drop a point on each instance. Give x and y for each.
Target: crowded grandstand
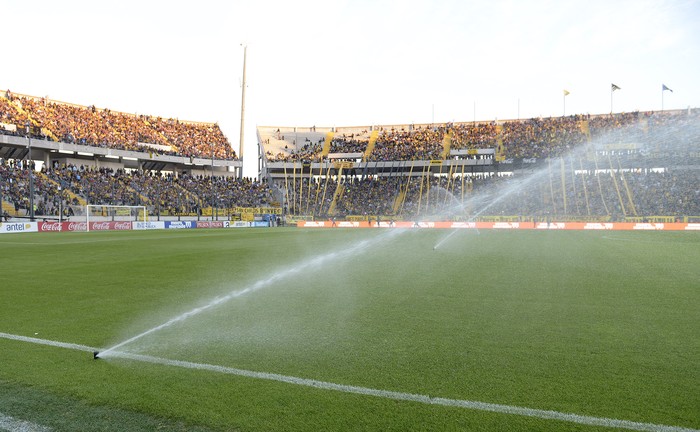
(57, 157)
(614, 167)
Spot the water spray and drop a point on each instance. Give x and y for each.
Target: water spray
(488, 199)
(444, 239)
(311, 263)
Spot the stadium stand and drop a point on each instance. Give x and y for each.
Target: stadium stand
(100, 156)
(527, 138)
(626, 166)
(671, 194)
(88, 125)
(162, 194)
(627, 172)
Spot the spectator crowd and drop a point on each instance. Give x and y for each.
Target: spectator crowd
(588, 192)
(69, 187)
(110, 129)
(605, 195)
(527, 138)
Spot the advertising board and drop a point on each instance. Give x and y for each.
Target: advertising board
(18, 227)
(147, 225)
(180, 224)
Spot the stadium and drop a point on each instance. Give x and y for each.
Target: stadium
(639, 167)
(483, 274)
(471, 182)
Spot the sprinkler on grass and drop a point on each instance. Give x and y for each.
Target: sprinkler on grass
(95, 355)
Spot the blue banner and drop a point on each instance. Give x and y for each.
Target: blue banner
(180, 224)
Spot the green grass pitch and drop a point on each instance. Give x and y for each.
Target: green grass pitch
(601, 324)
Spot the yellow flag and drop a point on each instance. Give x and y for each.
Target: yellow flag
(566, 92)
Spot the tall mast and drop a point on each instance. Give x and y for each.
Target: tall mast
(240, 148)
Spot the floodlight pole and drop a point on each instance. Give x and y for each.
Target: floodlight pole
(243, 86)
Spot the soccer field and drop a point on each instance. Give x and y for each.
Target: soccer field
(371, 329)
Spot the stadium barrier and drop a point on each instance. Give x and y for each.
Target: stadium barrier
(26, 227)
(624, 226)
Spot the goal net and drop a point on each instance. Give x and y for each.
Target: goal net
(111, 213)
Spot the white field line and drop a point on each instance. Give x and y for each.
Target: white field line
(10, 424)
(638, 240)
(387, 394)
(47, 342)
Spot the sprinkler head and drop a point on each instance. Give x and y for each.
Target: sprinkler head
(95, 355)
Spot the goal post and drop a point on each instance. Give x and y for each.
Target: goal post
(106, 212)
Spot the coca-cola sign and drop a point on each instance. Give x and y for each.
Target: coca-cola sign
(111, 225)
(100, 226)
(82, 226)
(50, 226)
(76, 226)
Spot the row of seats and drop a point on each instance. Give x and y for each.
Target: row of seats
(674, 192)
(186, 194)
(634, 194)
(528, 138)
(106, 128)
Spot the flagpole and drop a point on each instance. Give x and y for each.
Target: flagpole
(613, 87)
(564, 104)
(663, 89)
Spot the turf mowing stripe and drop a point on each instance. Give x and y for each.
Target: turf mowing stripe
(13, 425)
(387, 394)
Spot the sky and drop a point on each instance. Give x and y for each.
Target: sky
(353, 63)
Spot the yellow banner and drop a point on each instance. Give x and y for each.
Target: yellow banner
(356, 218)
(258, 210)
(344, 165)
